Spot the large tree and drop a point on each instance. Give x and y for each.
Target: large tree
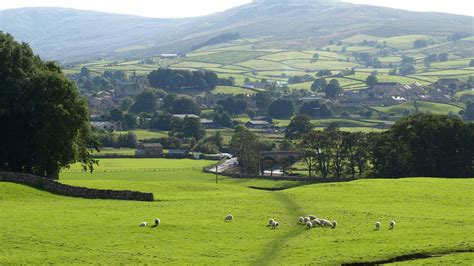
(425, 145)
(281, 109)
(299, 126)
(46, 122)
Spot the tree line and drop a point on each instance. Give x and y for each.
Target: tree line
(421, 145)
(177, 79)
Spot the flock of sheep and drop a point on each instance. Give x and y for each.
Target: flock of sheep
(309, 221)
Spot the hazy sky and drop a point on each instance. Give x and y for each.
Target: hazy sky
(186, 8)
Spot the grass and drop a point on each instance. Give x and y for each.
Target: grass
(232, 90)
(121, 151)
(145, 134)
(56, 229)
(428, 107)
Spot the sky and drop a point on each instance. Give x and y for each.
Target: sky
(188, 8)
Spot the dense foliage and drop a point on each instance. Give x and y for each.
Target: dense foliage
(46, 123)
(177, 79)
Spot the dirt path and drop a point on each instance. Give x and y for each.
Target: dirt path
(272, 249)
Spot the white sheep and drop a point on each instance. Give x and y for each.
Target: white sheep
(377, 225)
(312, 217)
(275, 224)
(334, 224)
(305, 220)
(301, 220)
(309, 225)
(229, 218)
(316, 222)
(157, 222)
(392, 225)
(325, 223)
(143, 224)
(270, 222)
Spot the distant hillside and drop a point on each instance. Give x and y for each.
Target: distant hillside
(73, 35)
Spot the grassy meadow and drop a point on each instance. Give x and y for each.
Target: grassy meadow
(430, 217)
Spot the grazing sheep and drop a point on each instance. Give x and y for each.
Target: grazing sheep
(305, 220)
(325, 223)
(309, 225)
(334, 224)
(270, 222)
(316, 223)
(377, 225)
(275, 224)
(392, 225)
(157, 222)
(229, 218)
(144, 224)
(301, 220)
(312, 217)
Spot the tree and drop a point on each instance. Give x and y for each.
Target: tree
(126, 104)
(333, 90)
(425, 145)
(471, 63)
(443, 57)
(47, 126)
(163, 121)
(190, 127)
(420, 43)
(85, 73)
(324, 73)
(244, 144)
(319, 84)
(116, 115)
(263, 100)
(234, 105)
(222, 119)
(315, 109)
(145, 102)
(317, 151)
(371, 81)
(407, 69)
(299, 126)
(185, 105)
(469, 113)
(281, 109)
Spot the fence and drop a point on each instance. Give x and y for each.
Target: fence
(279, 178)
(134, 170)
(72, 191)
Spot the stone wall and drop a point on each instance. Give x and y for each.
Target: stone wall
(72, 191)
(281, 178)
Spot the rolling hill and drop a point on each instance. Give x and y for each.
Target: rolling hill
(75, 35)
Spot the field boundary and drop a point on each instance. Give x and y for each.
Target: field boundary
(72, 191)
(409, 257)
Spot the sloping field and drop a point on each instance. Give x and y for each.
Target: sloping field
(54, 229)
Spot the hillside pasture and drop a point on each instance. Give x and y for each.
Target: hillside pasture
(191, 206)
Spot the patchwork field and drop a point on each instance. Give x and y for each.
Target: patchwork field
(55, 229)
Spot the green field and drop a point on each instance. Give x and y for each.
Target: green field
(428, 107)
(145, 134)
(55, 229)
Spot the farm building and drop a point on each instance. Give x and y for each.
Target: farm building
(208, 123)
(149, 149)
(183, 116)
(168, 56)
(258, 124)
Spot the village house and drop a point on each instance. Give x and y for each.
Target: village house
(258, 124)
(149, 149)
(183, 116)
(130, 89)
